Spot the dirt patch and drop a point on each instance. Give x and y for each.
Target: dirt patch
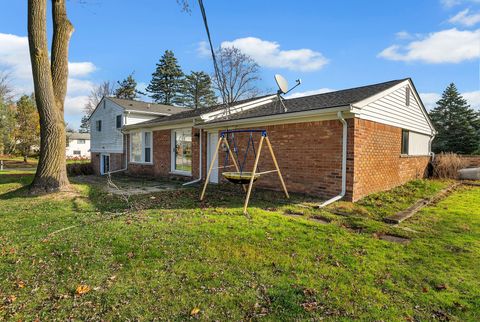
(394, 239)
(320, 220)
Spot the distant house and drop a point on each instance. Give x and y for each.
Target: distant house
(106, 123)
(78, 145)
(346, 143)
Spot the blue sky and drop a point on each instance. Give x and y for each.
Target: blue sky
(328, 44)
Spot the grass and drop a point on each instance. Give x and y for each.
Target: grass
(166, 256)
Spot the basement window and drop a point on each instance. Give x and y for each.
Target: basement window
(405, 139)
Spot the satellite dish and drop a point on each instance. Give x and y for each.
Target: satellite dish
(281, 83)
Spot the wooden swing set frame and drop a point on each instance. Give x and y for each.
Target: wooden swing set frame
(254, 174)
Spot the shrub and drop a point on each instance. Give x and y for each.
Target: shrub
(79, 169)
(446, 166)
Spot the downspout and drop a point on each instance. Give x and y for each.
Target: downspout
(432, 154)
(199, 162)
(344, 163)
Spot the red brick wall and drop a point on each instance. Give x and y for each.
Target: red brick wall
(117, 162)
(378, 164)
(309, 155)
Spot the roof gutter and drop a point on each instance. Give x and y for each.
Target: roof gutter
(148, 112)
(344, 163)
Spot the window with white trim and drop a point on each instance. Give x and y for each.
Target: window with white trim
(141, 147)
(182, 151)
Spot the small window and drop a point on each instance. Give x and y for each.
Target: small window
(405, 139)
(119, 121)
(80, 141)
(147, 144)
(407, 96)
(77, 152)
(99, 125)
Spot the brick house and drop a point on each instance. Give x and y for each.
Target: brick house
(347, 143)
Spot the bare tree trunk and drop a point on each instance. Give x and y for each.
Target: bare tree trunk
(50, 82)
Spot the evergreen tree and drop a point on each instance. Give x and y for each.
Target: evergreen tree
(457, 124)
(197, 91)
(127, 88)
(84, 125)
(166, 80)
(27, 132)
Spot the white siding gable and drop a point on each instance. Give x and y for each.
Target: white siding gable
(110, 139)
(389, 107)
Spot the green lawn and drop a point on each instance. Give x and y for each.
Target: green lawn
(169, 257)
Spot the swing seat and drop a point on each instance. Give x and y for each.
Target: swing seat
(240, 177)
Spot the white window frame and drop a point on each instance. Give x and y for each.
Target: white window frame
(173, 152)
(143, 147)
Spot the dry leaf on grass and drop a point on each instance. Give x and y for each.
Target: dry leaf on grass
(82, 289)
(20, 284)
(195, 311)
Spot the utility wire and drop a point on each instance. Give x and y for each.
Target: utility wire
(215, 64)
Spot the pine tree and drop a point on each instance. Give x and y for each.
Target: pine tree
(127, 88)
(27, 132)
(84, 125)
(457, 124)
(166, 80)
(197, 91)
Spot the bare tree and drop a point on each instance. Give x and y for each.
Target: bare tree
(6, 91)
(238, 75)
(50, 83)
(96, 95)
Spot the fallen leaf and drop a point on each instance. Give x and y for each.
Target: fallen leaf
(424, 289)
(441, 287)
(21, 284)
(130, 255)
(195, 311)
(12, 298)
(82, 289)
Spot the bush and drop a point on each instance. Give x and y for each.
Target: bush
(79, 169)
(446, 165)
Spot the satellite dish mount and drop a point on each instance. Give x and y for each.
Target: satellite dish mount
(282, 84)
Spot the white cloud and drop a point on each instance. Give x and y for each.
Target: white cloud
(446, 46)
(268, 54)
(453, 3)
(81, 69)
(15, 59)
(430, 99)
(312, 92)
(403, 35)
(465, 19)
(473, 98)
(203, 49)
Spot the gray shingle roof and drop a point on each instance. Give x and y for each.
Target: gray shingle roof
(146, 107)
(313, 102)
(78, 136)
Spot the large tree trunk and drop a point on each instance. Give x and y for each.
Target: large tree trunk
(50, 83)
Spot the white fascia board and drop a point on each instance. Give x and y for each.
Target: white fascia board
(106, 151)
(378, 96)
(167, 126)
(238, 108)
(286, 118)
(147, 113)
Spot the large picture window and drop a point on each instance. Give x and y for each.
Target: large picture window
(182, 151)
(141, 147)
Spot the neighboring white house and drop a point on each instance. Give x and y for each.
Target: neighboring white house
(78, 145)
(106, 123)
